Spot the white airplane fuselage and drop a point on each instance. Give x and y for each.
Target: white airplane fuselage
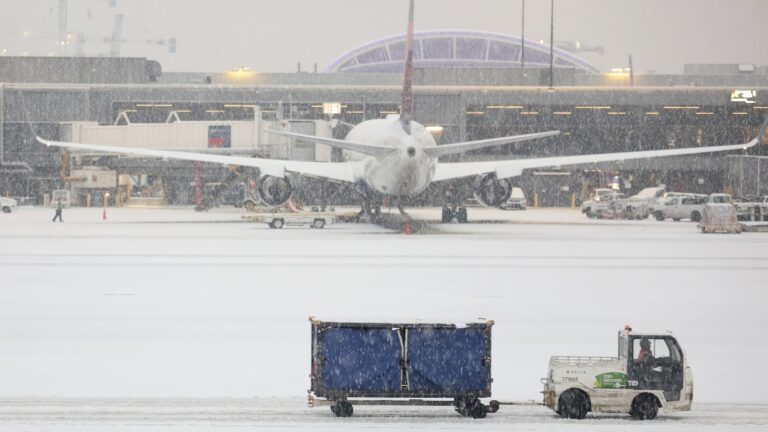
(408, 170)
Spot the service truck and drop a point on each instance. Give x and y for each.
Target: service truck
(755, 211)
(650, 372)
(433, 364)
(279, 220)
(604, 202)
(610, 204)
(643, 203)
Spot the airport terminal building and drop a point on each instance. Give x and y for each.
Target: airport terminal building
(468, 85)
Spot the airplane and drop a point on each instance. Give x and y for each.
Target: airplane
(397, 157)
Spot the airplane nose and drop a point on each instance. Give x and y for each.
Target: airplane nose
(411, 151)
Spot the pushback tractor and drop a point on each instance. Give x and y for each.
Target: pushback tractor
(650, 372)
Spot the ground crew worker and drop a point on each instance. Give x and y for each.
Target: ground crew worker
(645, 355)
(58, 212)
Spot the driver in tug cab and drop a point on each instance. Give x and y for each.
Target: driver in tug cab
(645, 355)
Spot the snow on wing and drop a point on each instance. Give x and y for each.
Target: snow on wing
(513, 168)
(343, 171)
(447, 149)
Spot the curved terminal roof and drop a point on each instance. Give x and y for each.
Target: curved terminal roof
(453, 49)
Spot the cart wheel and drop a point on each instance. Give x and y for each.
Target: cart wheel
(277, 223)
(478, 410)
(342, 409)
(470, 407)
(461, 406)
(318, 223)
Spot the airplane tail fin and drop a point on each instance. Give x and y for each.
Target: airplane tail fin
(406, 109)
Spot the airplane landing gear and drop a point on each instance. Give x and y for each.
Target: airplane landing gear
(372, 208)
(459, 213)
(371, 203)
(401, 209)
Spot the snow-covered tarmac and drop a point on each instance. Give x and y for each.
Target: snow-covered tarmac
(174, 304)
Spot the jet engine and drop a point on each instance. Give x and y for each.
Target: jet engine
(491, 191)
(274, 191)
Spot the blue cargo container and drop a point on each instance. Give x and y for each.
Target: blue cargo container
(429, 364)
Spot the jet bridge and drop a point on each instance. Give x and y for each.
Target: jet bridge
(250, 137)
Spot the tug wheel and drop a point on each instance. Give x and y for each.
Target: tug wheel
(644, 407)
(574, 404)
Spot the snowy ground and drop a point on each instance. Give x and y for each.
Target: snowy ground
(252, 414)
(173, 304)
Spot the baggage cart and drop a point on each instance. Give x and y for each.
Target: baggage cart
(396, 364)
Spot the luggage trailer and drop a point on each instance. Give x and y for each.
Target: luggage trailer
(401, 364)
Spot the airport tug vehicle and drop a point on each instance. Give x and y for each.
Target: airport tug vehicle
(650, 372)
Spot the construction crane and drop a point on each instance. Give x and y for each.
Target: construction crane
(62, 39)
(116, 40)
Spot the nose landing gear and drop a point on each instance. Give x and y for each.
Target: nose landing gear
(371, 208)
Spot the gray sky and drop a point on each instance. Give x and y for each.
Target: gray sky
(272, 36)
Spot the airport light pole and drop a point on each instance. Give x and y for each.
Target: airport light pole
(552, 44)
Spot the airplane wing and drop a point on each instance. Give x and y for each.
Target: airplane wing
(462, 147)
(343, 171)
(514, 168)
(366, 149)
